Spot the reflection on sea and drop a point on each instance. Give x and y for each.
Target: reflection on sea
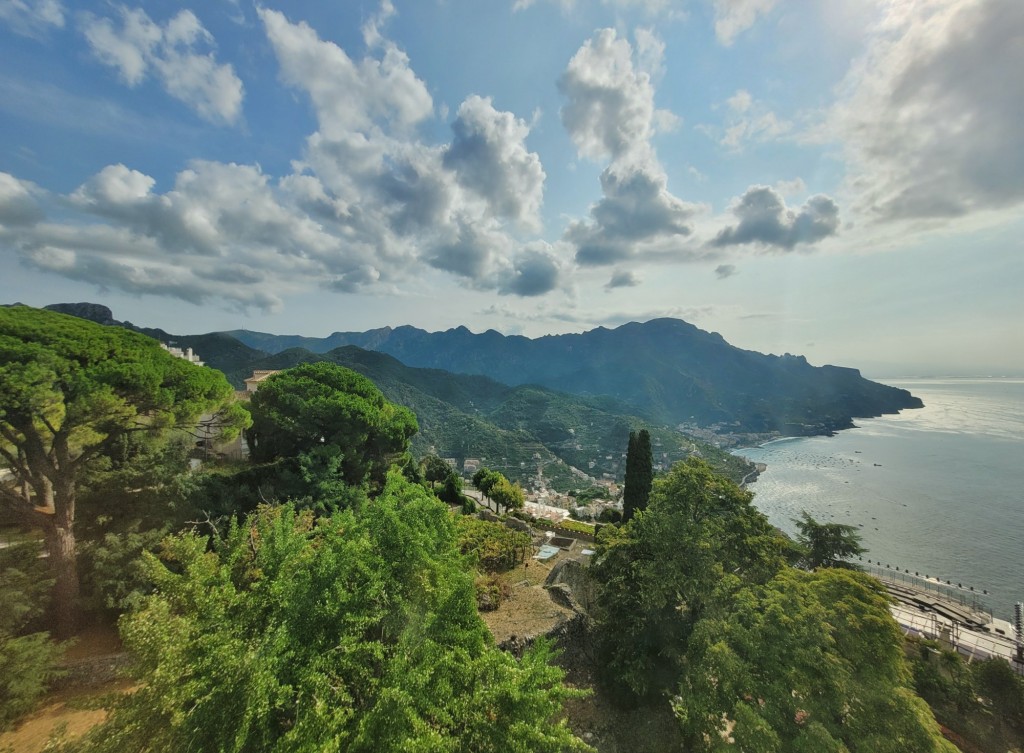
(935, 490)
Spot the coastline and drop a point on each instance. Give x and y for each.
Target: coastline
(933, 490)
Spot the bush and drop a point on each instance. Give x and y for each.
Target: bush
(28, 657)
(490, 592)
(113, 577)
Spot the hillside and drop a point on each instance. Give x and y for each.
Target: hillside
(523, 431)
(528, 432)
(665, 370)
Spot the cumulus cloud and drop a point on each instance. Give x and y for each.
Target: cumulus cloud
(368, 206)
(489, 157)
(138, 47)
(724, 271)
(733, 17)
(348, 96)
(223, 233)
(765, 219)
(610, 112)
(19, 204)
(931, 115)
(534, 272)
(32, 18)
(637, 208)
(623, 278)
(455, 207)
(610, 115)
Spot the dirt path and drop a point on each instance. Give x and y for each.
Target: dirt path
(74, 710)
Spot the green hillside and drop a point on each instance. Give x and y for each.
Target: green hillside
(522, 431)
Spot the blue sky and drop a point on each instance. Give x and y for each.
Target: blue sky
(839, 179)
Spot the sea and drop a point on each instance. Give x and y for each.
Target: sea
(937, 491)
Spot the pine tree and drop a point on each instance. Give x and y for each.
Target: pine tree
(639, 474)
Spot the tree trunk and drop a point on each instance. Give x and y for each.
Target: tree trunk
(60, 545)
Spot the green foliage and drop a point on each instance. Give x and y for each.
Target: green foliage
(451, 492)
(356, 632)
(493, 547)
(27, 666)
(435, 469)
(491, 590)
(699, 540)
(827, 544)
(811, 662)
(639, 474)
(577, 525)
(332, 425)
(28, 657)
(494, 486)
(507, 495)
(1002, 688)
(594, 492)
(70, 392)
(113, 576)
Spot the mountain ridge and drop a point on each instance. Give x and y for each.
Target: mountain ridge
(664, 369)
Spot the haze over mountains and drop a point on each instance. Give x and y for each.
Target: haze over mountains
(555, 403)
(665, 370)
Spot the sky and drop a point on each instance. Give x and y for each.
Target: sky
(841, 179)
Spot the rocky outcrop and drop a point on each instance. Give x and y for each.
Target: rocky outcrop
(574, 576)
(94, 312)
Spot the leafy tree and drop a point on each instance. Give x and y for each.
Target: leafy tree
(70, 392)
(827, 544)
(485, 480)
(699, 540)
(805, 662)
(508, 495)
(356, 632)
(451, 492)
(329, 425)
(435, 469)
(996, 681)
(639, 474)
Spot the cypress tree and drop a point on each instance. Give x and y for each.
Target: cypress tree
(639, 474)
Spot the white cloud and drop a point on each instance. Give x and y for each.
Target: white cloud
(750, 121)
(348, 96)
(611, 115)
(369, 206)
(669, 9)
(32, 18)
(733, 17)
(930, 116)
(764, 219)
(535, 272)
(637, 209)
(19, 202)
(139, 47)
(489, 156)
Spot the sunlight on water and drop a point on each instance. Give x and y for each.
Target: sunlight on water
(937, 490)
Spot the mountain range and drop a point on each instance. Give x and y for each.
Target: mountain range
(562, 406)
(664, 370)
